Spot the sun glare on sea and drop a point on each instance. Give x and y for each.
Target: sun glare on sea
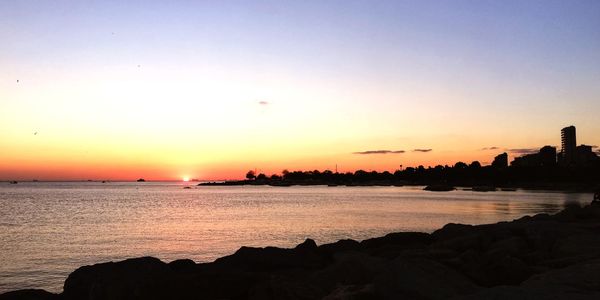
(185, 178)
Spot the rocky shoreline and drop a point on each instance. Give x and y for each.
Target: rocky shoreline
(538, 257)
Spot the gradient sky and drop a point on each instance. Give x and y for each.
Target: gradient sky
(210, 89)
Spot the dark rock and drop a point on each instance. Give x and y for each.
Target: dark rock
(349, 269)
(307, 246)
(32, 294)
(406, 239)
(354, 292)
(421, 279)
(182, 265)
(452, 230)
(581, 281)
(284, 287)
(138, 278)
(305, 255)
(395, 244)
(340, 246)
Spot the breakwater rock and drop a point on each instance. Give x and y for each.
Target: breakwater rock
(535, 257)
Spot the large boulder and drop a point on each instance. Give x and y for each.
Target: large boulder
(394, 244)
(138, 278)
(305, 255)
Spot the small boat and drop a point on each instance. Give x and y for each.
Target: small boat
(439, 188)
(186, 187)
(14, 182)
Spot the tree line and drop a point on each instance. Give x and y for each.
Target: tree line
(458, 174)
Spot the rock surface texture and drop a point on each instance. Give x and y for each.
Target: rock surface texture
(539, 257)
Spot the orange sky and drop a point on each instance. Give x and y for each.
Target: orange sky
(210, 90)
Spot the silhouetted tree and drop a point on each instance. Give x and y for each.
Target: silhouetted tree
(250, 175)
(460, 165)
(475, 165)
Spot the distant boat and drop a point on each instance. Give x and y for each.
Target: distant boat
(141, 180)
(14, 182)
(103, 181)
(439, 188)
(186, 187)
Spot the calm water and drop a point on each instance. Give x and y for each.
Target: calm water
(47, 230)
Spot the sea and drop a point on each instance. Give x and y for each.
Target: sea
(49, 229)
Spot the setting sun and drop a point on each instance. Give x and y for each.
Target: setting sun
(186, 179)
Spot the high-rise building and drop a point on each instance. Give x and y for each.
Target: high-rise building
(568, 145)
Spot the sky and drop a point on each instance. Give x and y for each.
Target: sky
(210, 89)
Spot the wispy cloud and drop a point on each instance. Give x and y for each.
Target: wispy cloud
(263, 102)
(523, 150)
(490, 148)
(422, 150)
(380, 152)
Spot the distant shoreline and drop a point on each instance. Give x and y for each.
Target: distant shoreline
(564, 187)
(541, 186)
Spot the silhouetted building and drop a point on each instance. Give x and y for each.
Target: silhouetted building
(568, 145)
(529, 160)
(559, 159)
(547, 156)
(500, 161)
(585, 156)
